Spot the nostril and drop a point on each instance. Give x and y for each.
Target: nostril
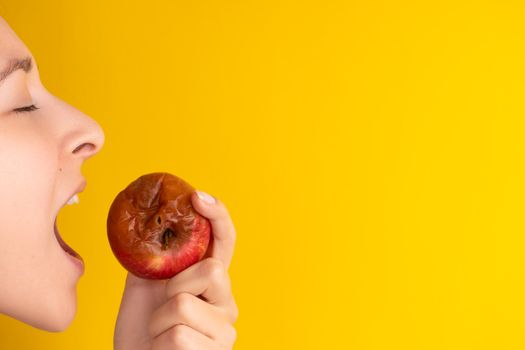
(89, 145)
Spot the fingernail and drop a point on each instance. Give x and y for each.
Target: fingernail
(206, 197)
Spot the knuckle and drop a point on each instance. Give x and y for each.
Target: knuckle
(232, 313)
(181, 304)
(232, 335)
(179, 336)
(214, 269)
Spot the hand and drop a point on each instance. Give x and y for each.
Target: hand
(195, 309)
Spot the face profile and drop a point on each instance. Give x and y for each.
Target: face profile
(43, 143)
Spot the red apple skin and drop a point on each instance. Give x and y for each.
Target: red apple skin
(153, 229)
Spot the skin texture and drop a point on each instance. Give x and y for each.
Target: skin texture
(41, 154)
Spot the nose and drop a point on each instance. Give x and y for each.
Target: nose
(90, 141)
(85, 135)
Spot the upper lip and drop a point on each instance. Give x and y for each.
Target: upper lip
(79, 189)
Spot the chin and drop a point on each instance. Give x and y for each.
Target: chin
(60, 323)
(57, 316)
(63, 314)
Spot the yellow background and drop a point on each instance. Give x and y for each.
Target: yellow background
(371, 154)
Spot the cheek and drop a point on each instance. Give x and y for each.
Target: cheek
(32, 264)
(28, 163)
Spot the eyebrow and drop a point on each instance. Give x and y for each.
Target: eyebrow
(15, 64)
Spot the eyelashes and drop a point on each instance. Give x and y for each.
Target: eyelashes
(26, 109)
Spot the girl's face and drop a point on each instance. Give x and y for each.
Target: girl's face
(41, 155)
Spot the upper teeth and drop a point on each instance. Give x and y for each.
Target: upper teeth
(73, 200)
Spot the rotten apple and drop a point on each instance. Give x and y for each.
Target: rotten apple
(153, 229)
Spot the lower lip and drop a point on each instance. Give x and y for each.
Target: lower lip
(78, 262)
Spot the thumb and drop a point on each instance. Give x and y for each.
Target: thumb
(140, 299)
(223, 233)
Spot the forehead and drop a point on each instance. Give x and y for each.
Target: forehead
(10, 44)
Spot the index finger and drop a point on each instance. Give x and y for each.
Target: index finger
(222, 240)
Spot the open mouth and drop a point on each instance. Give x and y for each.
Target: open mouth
(64, 246)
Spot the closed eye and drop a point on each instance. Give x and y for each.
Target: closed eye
(25, 109)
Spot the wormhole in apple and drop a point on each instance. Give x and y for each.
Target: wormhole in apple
(166, 236)
(158, 220)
